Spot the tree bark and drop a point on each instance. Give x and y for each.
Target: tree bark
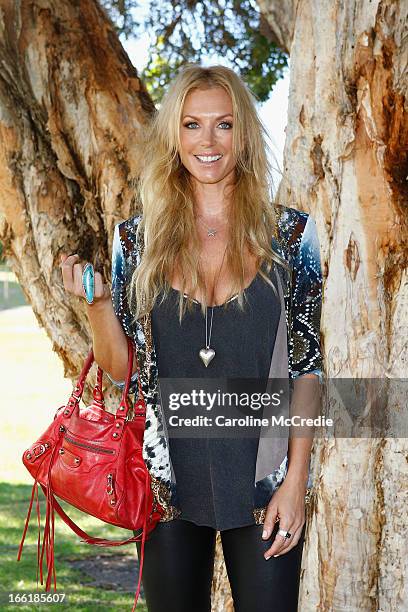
(281, 18)
(72, 107)
(346, 162)
(72, 110)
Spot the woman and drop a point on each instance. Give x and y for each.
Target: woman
(212, 281)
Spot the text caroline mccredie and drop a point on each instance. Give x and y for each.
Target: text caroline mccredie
(249, 421)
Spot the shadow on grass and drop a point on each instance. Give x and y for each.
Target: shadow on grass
(83, 572)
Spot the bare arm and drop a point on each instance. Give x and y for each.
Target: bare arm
(305, 404)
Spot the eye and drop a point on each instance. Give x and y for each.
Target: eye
(189, 124)
(226, 125)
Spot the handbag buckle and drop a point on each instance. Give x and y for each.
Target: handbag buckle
(42, 448)
(37, 451)
(77, 392)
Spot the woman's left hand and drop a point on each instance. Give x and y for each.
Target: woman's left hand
(288, 506)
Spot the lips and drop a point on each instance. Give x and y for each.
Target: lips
(208, 159)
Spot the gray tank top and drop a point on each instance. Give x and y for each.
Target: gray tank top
(215, 476)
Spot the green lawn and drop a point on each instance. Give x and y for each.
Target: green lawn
(21, 575)
(33, 386)
(15, 296)
(11, 294)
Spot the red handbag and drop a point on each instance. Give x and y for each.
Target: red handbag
(93, 460)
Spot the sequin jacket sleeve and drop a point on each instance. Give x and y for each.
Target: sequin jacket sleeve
(119, 297)
(306, 353)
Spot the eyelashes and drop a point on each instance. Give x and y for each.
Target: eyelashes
(227, 125)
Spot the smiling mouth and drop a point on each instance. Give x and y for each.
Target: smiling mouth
(208, 159)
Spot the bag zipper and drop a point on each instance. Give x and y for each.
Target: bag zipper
(95, 449)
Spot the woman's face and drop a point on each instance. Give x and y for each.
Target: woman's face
(206, 135)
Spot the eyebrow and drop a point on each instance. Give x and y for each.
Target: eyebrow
(220, 117)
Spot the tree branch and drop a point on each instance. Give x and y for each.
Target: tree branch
(281, 19)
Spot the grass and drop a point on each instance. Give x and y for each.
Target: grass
(11, 294)
(15, 296)
(21, 575)
(33, 387)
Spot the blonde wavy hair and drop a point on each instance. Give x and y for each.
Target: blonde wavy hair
(167, 231)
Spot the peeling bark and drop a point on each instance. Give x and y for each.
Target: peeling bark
(281, 18)
(71, 112)
(346, 162)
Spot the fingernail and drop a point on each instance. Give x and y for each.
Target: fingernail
(276, 555)
(268, 557)
(264, 533)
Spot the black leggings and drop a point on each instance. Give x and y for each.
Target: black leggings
(179, 562)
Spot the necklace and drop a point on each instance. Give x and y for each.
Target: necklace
(207, 353)
(211, 231)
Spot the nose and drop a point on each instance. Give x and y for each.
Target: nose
(207, 136)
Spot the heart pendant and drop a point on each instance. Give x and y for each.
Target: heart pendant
(207, 355)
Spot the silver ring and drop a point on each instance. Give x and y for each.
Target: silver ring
(284, 533)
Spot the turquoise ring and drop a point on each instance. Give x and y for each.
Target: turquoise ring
(88, 282)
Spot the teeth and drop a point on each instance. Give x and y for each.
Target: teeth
(208, 158)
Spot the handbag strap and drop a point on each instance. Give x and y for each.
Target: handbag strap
(124, 405)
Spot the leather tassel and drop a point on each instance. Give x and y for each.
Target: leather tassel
(26, 521)
(142, 546)
(39, 535)
(48, 536)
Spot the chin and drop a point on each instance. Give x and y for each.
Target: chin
(209, 180)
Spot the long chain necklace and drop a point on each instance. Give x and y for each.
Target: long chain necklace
(207, 353)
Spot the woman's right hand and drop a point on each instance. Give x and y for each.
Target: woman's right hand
(72, 279)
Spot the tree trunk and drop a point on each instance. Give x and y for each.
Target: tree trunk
(346, 162)
(72, 108)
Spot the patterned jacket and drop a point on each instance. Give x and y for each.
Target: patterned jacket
(297, 348)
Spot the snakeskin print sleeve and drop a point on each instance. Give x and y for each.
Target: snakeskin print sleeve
(306, 306)
(119, 298)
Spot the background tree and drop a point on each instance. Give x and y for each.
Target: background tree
(193, 31)
(71, 110)
(346, 161)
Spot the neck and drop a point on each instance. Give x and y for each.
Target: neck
(212, 201)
